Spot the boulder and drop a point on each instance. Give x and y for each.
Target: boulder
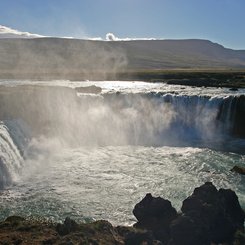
(232, 208)
(217, 214)
(188, 230)
(154, 211)
(155, 214)
(208, 216)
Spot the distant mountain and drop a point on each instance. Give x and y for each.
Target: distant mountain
(87, 59)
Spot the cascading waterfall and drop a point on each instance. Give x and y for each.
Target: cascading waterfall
(169, 118)
(124, 118)
(148, 119)
(10, 157)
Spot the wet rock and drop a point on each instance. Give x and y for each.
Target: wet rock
(187, 230)
(232, 208)
(154, 211)
(216, 214)
(155, 214)
(238, 169)
(68, 226)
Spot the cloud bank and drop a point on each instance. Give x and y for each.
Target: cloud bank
(6, 32)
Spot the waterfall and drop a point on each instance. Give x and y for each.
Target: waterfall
(170, 118)
(10, 157)
(149, 118)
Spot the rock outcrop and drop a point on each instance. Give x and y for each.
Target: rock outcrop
(155, 214)
(208, 216)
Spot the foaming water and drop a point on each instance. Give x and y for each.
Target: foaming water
(106, 182)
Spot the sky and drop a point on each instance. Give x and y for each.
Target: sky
(220, 21)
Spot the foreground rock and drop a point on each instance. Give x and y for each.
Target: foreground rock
(209, 217)
(155, 214)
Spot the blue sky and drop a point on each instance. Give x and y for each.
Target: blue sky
(221, 21)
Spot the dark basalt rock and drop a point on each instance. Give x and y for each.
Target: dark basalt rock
(186, 230)
(238, 169)
(152, 212)
(232, 207)
(155, 214)
(220, 214)
(208, 216)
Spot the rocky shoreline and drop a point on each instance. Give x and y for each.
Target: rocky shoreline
(208, 217)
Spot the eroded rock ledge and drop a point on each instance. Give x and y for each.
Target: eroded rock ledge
(208, 217)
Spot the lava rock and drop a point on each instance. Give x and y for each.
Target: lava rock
(187, 230)
(217, 213)
(154, 211)
(232, 207)
(155, 214)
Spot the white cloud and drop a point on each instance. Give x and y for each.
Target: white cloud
(112, 37)
(6, 32)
